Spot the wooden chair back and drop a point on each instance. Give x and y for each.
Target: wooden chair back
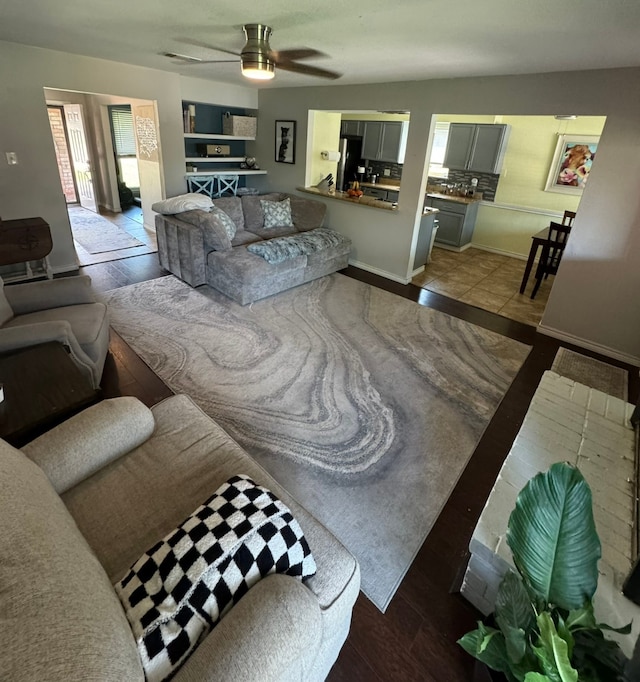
(551, 253)
(568, 218)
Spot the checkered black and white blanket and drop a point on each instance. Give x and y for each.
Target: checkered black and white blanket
(179, 590)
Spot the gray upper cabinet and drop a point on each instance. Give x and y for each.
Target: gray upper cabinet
(385, 141)
(477, 147)
(371, 140)
(352, 127)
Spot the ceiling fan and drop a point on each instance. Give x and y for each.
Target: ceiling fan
(258, 61)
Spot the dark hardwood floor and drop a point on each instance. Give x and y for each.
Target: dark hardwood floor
(416, 638)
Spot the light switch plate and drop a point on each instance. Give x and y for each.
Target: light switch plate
(12, 158)
(387, 172)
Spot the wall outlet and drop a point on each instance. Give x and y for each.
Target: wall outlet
(386, 172)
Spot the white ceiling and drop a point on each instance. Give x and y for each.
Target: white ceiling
(368, 41)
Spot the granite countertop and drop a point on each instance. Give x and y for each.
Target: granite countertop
(453, 197)
(381, 185)
(371, 202)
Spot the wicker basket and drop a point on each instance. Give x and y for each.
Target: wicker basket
(240, 126)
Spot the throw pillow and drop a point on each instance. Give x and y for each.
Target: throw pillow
(276, 213)
(181, 587)
(181, 203)
(225, 220)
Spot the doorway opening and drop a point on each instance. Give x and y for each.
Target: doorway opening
(109, 175)
(481, 252)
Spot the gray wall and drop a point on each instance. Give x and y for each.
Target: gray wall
(592, 298)
(32, 188)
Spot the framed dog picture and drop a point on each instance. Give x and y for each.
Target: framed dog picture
(286, 141)
(571, 164)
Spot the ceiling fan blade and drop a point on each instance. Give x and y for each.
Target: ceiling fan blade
(206, 46)
(191, 61)
(296, 54)
(308, 70)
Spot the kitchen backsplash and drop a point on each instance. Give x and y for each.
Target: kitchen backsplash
(487, 182)
(377, 168)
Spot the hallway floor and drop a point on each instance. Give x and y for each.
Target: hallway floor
(486, 280)
(131, 221)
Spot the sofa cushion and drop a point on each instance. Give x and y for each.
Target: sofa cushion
(244, 237)
(178, 590)
(233, 207)
(59, 616)
(253, 213)
(283, 248)
(181, 203)
(215, 231)
(276, 213)
(307, 214)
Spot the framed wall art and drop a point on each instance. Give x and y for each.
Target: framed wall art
(571, 163)
(286, 141)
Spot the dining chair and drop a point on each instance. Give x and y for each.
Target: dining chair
(568, 217)
(202, 184)
(227, 185)
(551, 253)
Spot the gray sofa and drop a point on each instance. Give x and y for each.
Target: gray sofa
(188, 248)
(80, 505)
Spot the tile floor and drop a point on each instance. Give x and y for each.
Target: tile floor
(130, 220)
(486, 280)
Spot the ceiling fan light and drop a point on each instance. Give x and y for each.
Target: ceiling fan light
(262, 71)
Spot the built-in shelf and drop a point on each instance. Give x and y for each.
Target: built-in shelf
(215, 159)
(227, 171)
(214, 136)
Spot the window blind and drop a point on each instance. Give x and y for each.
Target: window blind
(124, 139)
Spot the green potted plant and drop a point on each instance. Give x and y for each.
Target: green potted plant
(545, 628)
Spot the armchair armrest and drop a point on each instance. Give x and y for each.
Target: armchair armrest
(87, 442)
(54, 293)
(272, 634)
(26, 335)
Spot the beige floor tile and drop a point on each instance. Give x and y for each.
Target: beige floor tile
(499, 286)
(463, 276)
(486, 300)
(422, 279)
(448, 288)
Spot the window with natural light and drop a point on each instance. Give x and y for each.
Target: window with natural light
(440, 136)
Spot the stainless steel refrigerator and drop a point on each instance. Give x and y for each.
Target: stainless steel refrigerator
(350, 158)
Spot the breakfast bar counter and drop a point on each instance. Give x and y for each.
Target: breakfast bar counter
(370, 202)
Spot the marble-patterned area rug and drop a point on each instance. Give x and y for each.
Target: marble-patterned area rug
(96, 234)
(591, 372)
(365, 406)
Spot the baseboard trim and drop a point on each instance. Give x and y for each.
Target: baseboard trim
(377, 271)
(418, 271)
(500, 252)
(589, 345)
(111, 208)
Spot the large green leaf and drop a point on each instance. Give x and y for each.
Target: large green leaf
(514, 615)
(553, 537)
(487, 645)
(553, 651)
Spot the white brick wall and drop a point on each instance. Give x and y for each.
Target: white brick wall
(568, 422)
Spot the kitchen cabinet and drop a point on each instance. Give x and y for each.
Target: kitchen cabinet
(456, 221)
(385, 141)
(380, 193)
(476, 147)
(352, 128)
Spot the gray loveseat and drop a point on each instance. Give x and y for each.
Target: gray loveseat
(80, 505)
(191, 250)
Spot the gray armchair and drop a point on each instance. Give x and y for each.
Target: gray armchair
(63, 310)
